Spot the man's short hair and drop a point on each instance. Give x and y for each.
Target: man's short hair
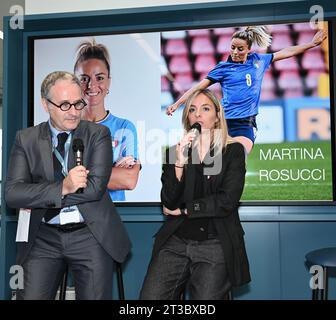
(51, 79)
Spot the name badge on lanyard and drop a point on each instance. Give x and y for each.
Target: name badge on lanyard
(67, 214)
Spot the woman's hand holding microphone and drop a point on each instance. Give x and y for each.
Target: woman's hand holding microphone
(182, 148)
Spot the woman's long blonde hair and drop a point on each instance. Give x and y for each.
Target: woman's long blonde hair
(254, 34)
(219, 136)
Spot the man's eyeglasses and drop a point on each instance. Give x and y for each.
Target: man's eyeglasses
(65, 106)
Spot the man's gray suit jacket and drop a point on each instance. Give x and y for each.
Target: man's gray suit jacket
(30, 184)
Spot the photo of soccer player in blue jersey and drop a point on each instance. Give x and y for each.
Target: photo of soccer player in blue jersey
(92, 67)
(274, 78)
(241, 78)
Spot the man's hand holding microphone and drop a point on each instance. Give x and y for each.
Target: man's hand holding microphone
(76, 180)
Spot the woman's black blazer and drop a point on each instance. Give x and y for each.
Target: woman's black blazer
(223, 185)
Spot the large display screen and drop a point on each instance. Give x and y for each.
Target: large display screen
(291, 160)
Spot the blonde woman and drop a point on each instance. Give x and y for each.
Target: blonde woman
(200, 247)
(241, 79)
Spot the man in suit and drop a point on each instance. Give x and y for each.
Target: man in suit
(81, 230)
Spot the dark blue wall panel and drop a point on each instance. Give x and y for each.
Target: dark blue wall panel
(262, 245)
(135, 268)
(296, 240)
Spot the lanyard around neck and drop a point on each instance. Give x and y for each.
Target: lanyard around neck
(64, 161)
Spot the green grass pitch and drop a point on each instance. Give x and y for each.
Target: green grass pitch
(259, 171)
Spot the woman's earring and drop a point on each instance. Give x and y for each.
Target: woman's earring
(107, 91)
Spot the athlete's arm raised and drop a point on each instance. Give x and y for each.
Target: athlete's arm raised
(295, 50)
(205, 83)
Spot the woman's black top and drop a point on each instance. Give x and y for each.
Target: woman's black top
(202, 228)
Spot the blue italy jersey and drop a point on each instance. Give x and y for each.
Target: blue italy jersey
(124, 143)
(241, 84)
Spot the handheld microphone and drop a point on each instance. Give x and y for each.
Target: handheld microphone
(78, 149)
(196, 127)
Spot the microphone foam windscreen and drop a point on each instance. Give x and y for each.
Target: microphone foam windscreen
(78, 145)
(197, 126)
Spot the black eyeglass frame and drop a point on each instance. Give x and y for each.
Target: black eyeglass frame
(69, 104)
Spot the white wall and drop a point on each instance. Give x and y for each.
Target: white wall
(52, 6)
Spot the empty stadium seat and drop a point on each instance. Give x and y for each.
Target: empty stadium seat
(268, 81)
(204, 63)
(312, 79)
(176, 47)
(225, 56)
(313, 60)
(257, 49)
(203, 75)
(183, 82)
(278, 28)
(223, 44)
(199, 33)
(280, 41)
(302, 26)
(179, 64)
(286, 64)
(306, 37)
(202, 45)
(224, 31)
(290, 80)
